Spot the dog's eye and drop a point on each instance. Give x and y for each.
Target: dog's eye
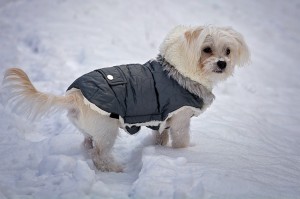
(227, 51)
(207, 50)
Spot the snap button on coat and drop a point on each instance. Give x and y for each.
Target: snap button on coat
(110, 77)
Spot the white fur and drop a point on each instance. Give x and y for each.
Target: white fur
(183, 48)
(185, 55)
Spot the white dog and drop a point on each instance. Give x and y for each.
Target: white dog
(162, 94)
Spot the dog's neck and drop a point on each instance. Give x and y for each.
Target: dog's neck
(190, 85)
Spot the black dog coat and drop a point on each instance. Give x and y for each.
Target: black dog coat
(138, 93)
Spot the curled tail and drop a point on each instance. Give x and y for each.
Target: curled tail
(24, 98)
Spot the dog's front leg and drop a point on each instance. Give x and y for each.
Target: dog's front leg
(180, 129)
(161, 138)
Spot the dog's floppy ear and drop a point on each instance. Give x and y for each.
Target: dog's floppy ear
(193, 43)
(243, 53)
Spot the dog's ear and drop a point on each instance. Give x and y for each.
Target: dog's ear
(192, 44)
(243, 53)
(192, 35)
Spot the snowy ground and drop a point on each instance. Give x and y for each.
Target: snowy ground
(247, 145)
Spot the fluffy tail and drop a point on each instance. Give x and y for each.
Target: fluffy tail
(26, 99)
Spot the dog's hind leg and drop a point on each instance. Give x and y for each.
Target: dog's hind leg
(103, 141)
(100, 133)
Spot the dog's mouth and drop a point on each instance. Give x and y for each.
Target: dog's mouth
(218, 70)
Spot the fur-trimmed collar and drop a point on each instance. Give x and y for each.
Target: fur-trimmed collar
(192, 86)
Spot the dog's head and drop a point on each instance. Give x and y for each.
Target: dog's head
(206, 54)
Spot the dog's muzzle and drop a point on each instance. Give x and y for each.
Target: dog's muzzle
(221, 66)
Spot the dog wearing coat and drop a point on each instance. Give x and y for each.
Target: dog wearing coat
(162, 94)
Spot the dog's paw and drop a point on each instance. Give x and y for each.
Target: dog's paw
(109, 167)
(116, 168)
(161, 139)
(106, 163)
(180, 143)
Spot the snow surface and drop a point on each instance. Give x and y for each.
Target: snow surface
(247, 145)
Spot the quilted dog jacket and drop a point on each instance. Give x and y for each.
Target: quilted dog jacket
(138, 93)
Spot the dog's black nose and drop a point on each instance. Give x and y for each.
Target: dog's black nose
(221, 64)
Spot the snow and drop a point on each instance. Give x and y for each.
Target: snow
(246, 145)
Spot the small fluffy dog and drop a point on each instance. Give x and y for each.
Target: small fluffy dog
(162, 94)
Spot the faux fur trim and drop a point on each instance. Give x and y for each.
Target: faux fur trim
(188, 84)
(162, 124)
